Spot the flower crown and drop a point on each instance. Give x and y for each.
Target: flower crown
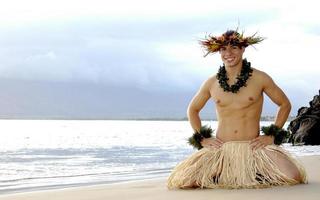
(213, 44)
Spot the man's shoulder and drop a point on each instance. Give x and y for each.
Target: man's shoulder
(262, 77)
(209, 82)
(261, 74)
(212, 78)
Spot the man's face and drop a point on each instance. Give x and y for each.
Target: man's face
(231, 55)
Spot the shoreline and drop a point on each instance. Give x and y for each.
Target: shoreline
(155, 188)
(77, 185)
(263, 118)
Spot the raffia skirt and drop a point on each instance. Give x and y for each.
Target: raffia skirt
(234, 165)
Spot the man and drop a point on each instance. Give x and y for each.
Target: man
(238, 157)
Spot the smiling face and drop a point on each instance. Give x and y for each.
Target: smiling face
(231, 55)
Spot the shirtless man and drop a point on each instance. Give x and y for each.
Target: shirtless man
(224, 161)
(239, 114)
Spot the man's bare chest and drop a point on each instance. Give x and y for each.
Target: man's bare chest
(245, 97)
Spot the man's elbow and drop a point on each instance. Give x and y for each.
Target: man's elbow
(287, 106)
(192, 111)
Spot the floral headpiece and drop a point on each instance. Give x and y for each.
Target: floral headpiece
(213, 44)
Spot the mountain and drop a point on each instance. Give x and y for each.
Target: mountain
(22, 99)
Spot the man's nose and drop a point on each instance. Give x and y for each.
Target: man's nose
(228, 50)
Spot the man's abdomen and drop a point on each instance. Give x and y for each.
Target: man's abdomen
(235, 129)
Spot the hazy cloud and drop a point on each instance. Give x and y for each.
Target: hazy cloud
(153, 45)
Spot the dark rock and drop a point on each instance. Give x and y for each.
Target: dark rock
(305, 128)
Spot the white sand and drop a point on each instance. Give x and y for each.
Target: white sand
(156, 189)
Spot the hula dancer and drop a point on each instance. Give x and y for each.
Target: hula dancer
(238, 157)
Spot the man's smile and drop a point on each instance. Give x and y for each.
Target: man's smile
(229, 59)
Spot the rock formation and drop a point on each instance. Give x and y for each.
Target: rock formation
(305, 128)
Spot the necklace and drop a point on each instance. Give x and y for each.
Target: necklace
(245, 74)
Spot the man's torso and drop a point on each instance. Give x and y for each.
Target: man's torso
(238, 113)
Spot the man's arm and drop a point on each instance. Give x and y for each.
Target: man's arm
(279, 98)
(197, 103)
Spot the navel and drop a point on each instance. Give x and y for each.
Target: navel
(250, 98)
(235, 131)
(218, 101)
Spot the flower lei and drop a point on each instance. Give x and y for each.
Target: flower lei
(245, 74)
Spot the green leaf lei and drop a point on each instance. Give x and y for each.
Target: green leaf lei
(245, 74)
(197, 137)
(279, 134)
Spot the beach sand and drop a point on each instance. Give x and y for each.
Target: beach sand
(156, 189)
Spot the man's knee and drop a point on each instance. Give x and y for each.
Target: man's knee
(296, 175)
(285, 165)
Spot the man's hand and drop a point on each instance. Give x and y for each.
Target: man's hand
(261, 141)
(213, 143)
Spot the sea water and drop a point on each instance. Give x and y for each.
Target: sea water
(45, 154)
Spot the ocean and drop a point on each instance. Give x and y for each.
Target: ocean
(47, 154)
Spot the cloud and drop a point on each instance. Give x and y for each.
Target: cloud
(17, 12)
(153, 45)
(94, 50)
(119, 52)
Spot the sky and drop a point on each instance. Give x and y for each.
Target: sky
(149, 48)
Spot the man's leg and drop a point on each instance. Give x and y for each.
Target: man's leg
(285, 165)
(191, 183)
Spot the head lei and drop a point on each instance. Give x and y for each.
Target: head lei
(213, 44)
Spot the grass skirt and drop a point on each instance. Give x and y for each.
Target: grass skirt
(234, 165)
